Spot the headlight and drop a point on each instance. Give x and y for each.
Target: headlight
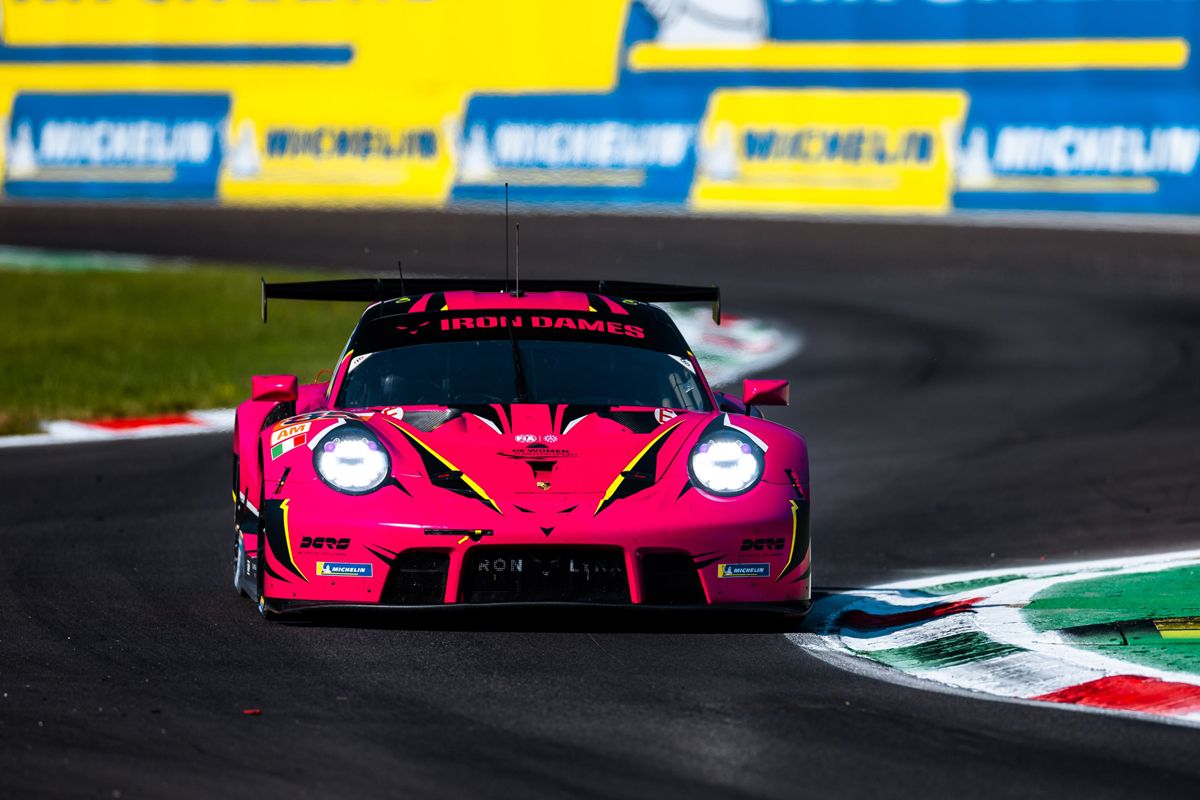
(352, 461)
(726, 462)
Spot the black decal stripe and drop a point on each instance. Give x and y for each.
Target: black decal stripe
(276, 536)
(389, 560)
(639, 474)
(443, 474)
(493, 414)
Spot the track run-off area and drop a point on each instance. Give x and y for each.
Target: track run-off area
(1003, 426)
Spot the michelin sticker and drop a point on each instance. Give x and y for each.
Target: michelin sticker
(338, 569)
(115, 145)
(743, 570)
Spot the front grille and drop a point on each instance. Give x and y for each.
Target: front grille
(670, 579)
(416, 578)
(545, 575)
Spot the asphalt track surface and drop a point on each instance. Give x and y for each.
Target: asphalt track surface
(972, 397)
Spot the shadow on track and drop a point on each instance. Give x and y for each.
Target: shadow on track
(556, 619)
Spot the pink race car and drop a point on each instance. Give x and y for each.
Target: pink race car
(475, 445)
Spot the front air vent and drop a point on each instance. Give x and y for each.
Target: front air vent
(670, 579)
(416, 578)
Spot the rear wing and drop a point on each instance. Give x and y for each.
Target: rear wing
(373, 290)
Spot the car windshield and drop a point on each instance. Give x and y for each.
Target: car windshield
(478, 372)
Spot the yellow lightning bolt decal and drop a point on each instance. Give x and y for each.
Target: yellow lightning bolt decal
(287, 537)
(475, 487)
(792, 549)
(621, 475)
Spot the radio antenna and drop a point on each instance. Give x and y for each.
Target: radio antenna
(400, 266)
(517, 263)
(506, 236)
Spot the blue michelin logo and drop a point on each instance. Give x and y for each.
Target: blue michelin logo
(155, 146)
(581, 148)
(743, 570)
(340, 569)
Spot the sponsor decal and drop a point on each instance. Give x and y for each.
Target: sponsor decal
(354, 362)
(539, 452)
(743, 570)
(351, 142)
(550, 438)
(1096, 152)
(139, 145)
(324, 542)
(764, 544)
(341, 569)
(569, 323)
(828, 149)
(396, 412)
(665, 414)
(525, 438)
(570, 565)
(560, 147)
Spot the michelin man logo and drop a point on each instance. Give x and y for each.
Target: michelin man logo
(21, 160)
(686, 22)
(244, 159)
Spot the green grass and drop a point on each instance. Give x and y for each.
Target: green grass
(1117, 599)
(108, 344)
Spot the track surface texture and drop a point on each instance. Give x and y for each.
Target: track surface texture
(972, 397)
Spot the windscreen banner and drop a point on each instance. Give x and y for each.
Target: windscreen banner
(712, 106)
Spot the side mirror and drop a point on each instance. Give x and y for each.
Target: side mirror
(274, 388)
(765, 392)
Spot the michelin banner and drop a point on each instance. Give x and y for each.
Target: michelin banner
(722, 106)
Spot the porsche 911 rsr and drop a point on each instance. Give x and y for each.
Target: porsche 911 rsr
(479, 446)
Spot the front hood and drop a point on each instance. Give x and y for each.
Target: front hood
(533, 450)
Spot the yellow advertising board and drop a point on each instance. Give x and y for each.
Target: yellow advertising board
(341, 101)
(788, 150)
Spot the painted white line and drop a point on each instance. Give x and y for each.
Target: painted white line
(74, 432)
(940, 628)
(827, 652)
(1021, 674)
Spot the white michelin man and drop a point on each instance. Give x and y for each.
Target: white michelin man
(683, 22)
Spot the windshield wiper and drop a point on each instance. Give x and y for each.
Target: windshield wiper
(522, 386)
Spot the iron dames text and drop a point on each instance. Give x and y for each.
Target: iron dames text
(571, 323)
